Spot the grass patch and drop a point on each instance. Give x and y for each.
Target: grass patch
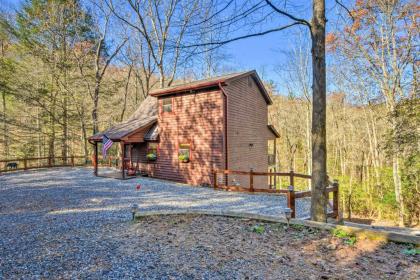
(411, 251)
(298, 227)
(348, 239)
(258, 229)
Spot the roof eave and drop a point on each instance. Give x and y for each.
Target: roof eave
(258, 81)
(187, 88)
(274, 130)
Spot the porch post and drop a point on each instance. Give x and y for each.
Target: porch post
(122, 159)
(95, 163)
(275, 162)
(130, 155)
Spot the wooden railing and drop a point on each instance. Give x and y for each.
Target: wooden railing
(290, 192)
(15, 164)
(110, 161)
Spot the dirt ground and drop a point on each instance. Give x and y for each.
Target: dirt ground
(218, 247)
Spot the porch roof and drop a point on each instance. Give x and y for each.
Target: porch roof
(143, 117)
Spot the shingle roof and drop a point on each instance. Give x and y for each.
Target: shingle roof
(211, 82)
(144, 116)
(195, 84)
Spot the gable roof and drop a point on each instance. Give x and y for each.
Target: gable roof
(143, 117)
(213, 82)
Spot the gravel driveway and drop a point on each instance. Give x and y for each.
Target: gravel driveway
(62, 222)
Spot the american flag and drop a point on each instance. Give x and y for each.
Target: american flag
(106, 144)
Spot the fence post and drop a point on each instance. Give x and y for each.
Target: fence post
(110, 161)
(251, 180)
(72, 160)
(291, 200)
(215, 179)
(335, 200)
(292, 178)
(25, 164)
(271, 178)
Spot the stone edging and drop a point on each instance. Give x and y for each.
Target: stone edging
(362, 232)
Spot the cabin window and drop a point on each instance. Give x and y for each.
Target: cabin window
(184, 152)
(167, 105)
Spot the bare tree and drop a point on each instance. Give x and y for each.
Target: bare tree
(101, 59)
(381, 36)
(295, 72)
(317, 31)
(161, 24)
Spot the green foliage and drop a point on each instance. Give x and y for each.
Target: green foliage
(151, 156)
(348, 239)
(183, 157)
(410, 177)
(340, 233)
(411, 252)
(258, 229)
(297, 227)
(366, 199)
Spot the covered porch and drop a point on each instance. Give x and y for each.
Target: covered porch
(136, 155)
(136, 140)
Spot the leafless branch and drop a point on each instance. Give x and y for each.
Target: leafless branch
(302, 21)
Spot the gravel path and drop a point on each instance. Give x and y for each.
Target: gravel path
(52, 221)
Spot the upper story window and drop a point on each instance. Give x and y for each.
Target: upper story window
(167, 105)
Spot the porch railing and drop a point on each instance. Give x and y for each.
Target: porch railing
(291, 194)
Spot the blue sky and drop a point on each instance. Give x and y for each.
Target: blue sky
(262, 53)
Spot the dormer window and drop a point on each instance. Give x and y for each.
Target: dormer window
(167, 105)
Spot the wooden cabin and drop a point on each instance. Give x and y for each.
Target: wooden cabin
(195, 128)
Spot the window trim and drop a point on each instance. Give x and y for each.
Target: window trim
(157, 148)
(189, 143)
(172, 105)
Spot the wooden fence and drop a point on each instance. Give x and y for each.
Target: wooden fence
(110, 161)
(15, 164)
(290, 192)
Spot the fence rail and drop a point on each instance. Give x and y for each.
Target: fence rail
(14, 164)
(290, 192)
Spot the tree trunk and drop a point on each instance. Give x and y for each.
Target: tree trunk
(161, 77)
(319, 150)
(126, 93)
(85, 139)
(51, 141)
(398, 188)
(64, 151)
(308, 143)
(5, 129)
(95, 109)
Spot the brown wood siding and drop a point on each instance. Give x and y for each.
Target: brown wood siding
(247, 131)
(138, 136)
(196, 119)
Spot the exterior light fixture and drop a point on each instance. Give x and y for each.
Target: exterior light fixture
(134, 210)
(288, 214)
